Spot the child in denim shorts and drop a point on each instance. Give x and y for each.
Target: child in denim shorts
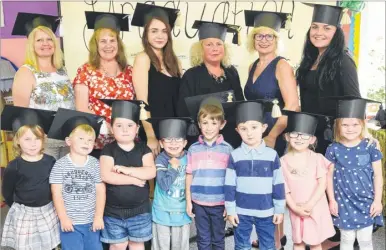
(126, 165)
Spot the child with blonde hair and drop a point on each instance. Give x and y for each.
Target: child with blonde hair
(31, 222)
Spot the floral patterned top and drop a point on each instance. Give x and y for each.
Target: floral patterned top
(101, 86)
(53, 90)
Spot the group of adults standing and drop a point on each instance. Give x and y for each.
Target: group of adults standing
(326, 69)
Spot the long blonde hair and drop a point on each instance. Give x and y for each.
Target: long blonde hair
(197, 55)
(338, 124)
(94, 58)
(35, 129)
(32, 59)
(251, 38)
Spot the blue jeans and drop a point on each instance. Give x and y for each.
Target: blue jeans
(210, 226)
(136, 229)
(83, 238)
(265, 230)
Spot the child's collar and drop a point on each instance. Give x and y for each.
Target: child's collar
(219, 140)
(247, 149)
(181, 156)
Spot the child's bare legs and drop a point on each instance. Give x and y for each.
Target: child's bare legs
(119, 246)
(279, 233)
(316, 247)
(300, 246)
(136, 245)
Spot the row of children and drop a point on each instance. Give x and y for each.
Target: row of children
(248, 186)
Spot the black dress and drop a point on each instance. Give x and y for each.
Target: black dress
(198, 81)
(162, 96)
(311, 93)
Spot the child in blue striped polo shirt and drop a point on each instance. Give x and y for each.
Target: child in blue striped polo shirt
(254, 185)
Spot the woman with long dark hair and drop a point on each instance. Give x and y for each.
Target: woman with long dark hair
(157, 71)
(326, 69)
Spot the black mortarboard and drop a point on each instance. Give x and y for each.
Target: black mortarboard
(107, 20)
(328, 14)
(130, 109)
(26, 22)
(216, 30)
(273, 20)
(302, 122)
(242, 111)
(171, 127)
(194, 103)
(13, 118)
(145, 12)
(66, 120)
(350, 106)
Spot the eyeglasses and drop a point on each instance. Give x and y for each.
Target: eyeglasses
(169, 140)
(302, 136)
(268, 37)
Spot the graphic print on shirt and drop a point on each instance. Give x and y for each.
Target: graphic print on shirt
(79, 184)
(177, 190)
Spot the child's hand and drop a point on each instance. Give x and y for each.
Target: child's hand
(174, 162)
(278, 219)
(189, 209)
(66, 225)
(334, 208)
(301, 211)
(138, 182)
(234, 220)
(307, 208)
(375, 209)
(121, 170)
(97, 224)
(224, 215)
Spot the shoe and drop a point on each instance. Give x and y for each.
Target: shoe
(255, 244)
(283, 242)
(229, 231)
(307, 247)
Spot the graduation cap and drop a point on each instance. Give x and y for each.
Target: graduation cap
(66, 120)
(350, 106)
(171, 127)
(217, 30)
(107, 20)
(13, 118)
(26, 22)
(302, 122)
(328, 14)
(242, 111)
(134, 110)
(273, 20)
(145, 12)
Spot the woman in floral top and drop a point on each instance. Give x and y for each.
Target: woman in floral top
(106, 75)
(42, 82)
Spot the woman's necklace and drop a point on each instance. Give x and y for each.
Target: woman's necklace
(299, 171)
(106, 73)
(220, 78)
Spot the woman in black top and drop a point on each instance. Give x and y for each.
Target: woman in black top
(326, 69)
(156, 71)
(211, 72)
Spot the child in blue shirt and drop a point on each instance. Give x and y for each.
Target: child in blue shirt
(171, 224)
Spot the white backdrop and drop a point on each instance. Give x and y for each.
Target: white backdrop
(74, 31)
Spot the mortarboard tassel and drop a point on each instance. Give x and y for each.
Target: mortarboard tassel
(104, 130)
(288, 22)
(346, 19)
(142, 112)
(276, 113)
(61, 28)
(193, 129)
(178, 22)
(236, 38)
(230, 97)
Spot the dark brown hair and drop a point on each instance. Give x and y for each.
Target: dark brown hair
(169, 57)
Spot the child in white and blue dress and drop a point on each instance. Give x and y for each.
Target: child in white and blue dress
(354, 184)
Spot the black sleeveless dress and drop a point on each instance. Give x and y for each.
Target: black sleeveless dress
(162, 96)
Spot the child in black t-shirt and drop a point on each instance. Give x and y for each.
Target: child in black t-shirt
(31, 222)
(126, 166)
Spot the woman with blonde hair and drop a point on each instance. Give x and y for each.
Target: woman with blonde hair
(42, 82)
(211, 71)
(270, 78)
(106, 75)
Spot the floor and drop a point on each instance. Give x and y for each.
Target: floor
(379, 237)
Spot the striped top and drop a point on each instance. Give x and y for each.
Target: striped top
(254, 184)
(208, 165)
(78, 187)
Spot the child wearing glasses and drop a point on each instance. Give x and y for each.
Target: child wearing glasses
(171, 224)
(305, 175)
